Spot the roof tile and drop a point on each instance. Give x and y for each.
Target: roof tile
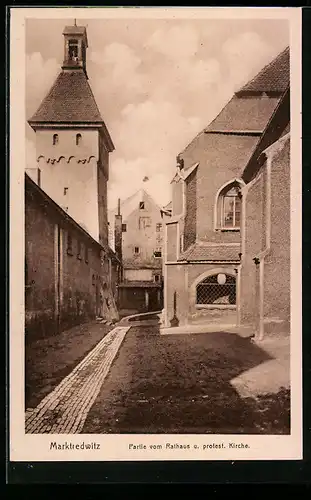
(216, 253)
(69, 100)
(274, 77)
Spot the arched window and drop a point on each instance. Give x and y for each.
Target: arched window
(228, 204)
(55, 139)
(218, 289)
(78, 139)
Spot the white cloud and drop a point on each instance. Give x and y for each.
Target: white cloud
(245, 55)
(176, 43)
(40, 74)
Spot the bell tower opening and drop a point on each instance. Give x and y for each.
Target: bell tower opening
(75, 45)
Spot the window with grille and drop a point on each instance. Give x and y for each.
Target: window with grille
(136, 250)
(124, 228)
(157, 253)
(216, 289)
(229, 207)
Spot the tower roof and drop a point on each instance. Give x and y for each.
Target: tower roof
(75, 30)
(274, 77)
(69, 100)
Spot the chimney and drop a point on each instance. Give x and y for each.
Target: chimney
(118, 232)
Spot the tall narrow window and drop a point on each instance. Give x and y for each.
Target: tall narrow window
(73, 50)
(78, 139)
(69, 244)
(55, 139)
(229, 207)
(136, 250)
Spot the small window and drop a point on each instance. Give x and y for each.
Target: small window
(141, 205)
(136, 250)
(156, 278)
(65, 191)
(55, 139)
(124, 228)
(158, 227)
(78, 139)
(157, 253)
(69, 244)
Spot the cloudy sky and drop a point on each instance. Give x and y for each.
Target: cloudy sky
(157, 84)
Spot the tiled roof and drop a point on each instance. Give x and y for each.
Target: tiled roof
(274, 77)
(244, 115)
(216, 253)
(69, 100)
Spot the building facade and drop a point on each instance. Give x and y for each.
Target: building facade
(69, 277)
(204, 250)
(265, 262)
(137, 231)
(71, 273)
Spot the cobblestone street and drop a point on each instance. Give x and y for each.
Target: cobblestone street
(135, 380)
(64, 410)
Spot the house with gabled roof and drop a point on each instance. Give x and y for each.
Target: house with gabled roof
(137, 231)
(203, 244)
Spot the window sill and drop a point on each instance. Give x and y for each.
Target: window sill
(215, 306)
(228, 229)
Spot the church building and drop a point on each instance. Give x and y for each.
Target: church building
(212, 272)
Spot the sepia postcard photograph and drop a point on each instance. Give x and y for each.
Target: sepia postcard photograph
(155, 234)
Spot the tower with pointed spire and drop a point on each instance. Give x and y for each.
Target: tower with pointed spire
(72, 141)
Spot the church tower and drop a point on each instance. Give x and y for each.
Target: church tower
(72, 141)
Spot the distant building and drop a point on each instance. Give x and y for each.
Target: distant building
(140, 239)
(71, 273)
(204, 277)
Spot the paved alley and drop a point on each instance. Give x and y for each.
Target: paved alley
(134, 380)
